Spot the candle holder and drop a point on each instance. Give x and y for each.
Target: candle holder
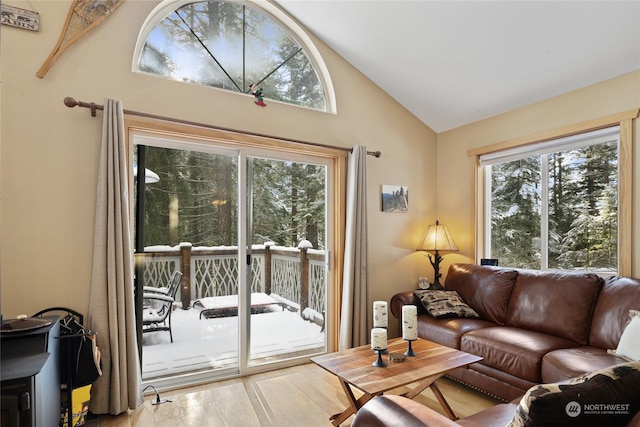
(379, 363)
(384, 350)
(409, 352)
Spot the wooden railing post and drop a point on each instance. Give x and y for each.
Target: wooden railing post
(304, 245)
(185, 261)
(267, 267)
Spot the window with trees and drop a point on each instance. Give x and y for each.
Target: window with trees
(554, 204)
(231, 45)
(195, 200)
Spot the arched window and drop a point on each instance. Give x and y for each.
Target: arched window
(231, 45)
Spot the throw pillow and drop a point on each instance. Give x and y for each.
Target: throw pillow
(629, 345)
(607, 397)
(444, 304)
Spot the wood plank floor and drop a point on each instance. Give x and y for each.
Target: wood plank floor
(300, 396)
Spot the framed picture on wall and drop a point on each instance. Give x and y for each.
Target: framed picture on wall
(395, 198)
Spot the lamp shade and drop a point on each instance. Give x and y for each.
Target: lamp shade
(437, 238)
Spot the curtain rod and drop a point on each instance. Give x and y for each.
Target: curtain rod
(71, 102)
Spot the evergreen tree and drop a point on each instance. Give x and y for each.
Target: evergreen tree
(230, 46)
(196, 200)
(515, 213)
(588, 242)
(582, 209)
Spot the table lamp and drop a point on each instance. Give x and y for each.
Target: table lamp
(437, 238)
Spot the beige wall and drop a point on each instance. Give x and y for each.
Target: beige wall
(455, 204)
(50, 152)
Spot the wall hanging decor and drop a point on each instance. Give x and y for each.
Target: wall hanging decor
(83, 16)
(395, 198)
(21, 18)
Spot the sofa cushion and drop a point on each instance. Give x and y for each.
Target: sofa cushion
(444, 304)
(559, 304)
(504, 377)
(448, 331)
(564, 364)
(491, 381)
(611, 314)
(516, 351)
(486, 289)
(605, 397)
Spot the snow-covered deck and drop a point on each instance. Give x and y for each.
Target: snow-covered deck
(201, 343)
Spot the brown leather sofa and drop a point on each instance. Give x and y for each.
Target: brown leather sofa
(398, 411)
(533, 327)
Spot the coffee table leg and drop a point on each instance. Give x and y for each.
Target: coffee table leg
(436, 391)
(420, 387)
(354, 404)
(431, 383)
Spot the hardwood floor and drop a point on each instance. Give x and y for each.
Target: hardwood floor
(300, 396)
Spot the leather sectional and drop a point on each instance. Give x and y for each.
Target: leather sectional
(533, 327)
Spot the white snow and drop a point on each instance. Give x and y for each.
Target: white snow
(201, 343)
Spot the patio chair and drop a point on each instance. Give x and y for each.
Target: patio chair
(158, 305)
(170, 289)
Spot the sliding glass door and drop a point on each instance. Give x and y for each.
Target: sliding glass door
(190, 213)
(287, 207)
(248, 229)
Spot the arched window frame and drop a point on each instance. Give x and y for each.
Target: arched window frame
(167, 7)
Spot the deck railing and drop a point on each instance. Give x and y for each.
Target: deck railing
(295, 276)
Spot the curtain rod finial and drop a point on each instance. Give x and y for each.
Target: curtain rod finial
(70, 102)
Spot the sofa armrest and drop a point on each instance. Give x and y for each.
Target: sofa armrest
(499, 415)
(397, 411)
(404, 298)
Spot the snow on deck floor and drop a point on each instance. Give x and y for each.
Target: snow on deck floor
(213, 343)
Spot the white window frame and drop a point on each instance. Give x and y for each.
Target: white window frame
(166, 7)
(541, 149)
(623, 120)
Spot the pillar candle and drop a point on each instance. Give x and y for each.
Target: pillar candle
(380, 317)
(378, 339)
(409, 322)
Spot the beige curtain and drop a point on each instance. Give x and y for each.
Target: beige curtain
(111, 303)
(354, 318)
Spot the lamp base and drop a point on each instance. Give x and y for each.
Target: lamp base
(435, 262)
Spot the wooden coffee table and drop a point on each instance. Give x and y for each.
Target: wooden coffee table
(354, 368)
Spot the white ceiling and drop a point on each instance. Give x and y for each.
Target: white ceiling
(455, 62)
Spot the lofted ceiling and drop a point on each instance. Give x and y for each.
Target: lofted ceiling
(452, 62)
